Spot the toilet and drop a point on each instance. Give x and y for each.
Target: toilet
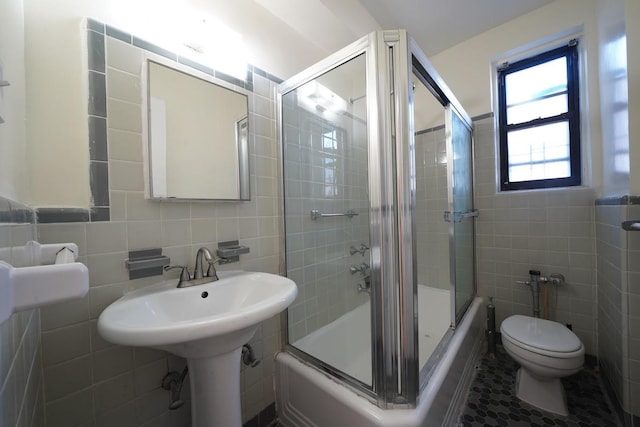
(546, 351)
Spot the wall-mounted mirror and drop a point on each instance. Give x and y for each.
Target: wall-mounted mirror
(198, 136)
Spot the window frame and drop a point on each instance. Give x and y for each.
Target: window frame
(571, 117)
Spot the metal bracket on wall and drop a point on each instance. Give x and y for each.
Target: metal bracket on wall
(631, 225)
(3, 83)
(459, 216)
(146, 263)
(230, 251)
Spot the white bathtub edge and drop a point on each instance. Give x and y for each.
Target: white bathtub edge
(439, 404)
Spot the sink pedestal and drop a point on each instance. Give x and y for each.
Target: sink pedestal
(215, 390)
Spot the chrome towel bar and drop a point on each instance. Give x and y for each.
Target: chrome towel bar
(316, 214)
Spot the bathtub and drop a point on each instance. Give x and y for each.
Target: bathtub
(307, 396)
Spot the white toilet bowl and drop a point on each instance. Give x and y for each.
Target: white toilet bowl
(546, 352)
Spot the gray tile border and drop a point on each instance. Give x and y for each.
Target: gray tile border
(100, 214)
(97, 32)
(12, 212)
(229, 79)
(143, 44)
(119, 34)
(96, 54)
(99, 182)
(96, 26)
(196, 66)
(51, 215)
(618, 201)
(98, 138)
(97, 94)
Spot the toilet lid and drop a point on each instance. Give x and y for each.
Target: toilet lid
(541, 333)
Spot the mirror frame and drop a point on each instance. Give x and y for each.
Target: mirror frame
(242, 128)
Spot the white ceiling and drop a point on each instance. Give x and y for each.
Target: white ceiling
(440, 24)
(435, 24)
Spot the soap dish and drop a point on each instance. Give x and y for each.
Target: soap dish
(231, 250)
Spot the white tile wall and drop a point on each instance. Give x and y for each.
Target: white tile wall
(431, 203)
(318, 257)
(120, 386)
(21, 383)
(618, 301)
(548, 230)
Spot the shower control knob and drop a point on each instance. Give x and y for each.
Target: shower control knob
(359, 250)
(362, 269)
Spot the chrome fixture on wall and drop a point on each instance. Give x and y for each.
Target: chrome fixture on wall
(200, 277)
(535, 279)
(633, 225)
(3, 83)
(362, 268)
(359, 250)
(316, 214)
(367, 285)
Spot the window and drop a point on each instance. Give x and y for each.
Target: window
(539, 120)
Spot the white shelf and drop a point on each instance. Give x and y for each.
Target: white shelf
(22, 288)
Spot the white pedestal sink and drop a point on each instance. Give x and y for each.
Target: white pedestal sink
(206, 324)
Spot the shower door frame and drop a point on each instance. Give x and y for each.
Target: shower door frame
(390, 60)
(419, 65)
(359, 47)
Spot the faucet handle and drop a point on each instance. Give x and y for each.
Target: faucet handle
(211, 271)
(523, 282)
(556, 279)
(184, 274)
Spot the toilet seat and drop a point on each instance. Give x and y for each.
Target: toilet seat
(542, 336)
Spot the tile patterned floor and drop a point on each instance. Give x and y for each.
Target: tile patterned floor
(492, 401)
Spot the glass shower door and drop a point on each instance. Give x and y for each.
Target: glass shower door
(463, 213)
(326, 203)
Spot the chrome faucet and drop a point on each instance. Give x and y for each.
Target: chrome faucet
(199, 276)
(199, 270)
(367, 285)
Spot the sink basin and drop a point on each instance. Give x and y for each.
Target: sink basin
(198, 321)
(208, 325)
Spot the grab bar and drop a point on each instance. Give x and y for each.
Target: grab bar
(315, 214)
(633, 225)
(459, 216)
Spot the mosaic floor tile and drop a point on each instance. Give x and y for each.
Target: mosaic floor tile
(492, 401)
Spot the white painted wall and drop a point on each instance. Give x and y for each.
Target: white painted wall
(56, 60)
(467, 67)
(632, 17)
(614, 104)
(13, 176)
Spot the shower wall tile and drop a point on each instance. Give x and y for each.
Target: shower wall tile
(431, 203)
(123, 387)
(548, 230)
(326, 170)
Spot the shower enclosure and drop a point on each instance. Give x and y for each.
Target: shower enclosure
(378, 216)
